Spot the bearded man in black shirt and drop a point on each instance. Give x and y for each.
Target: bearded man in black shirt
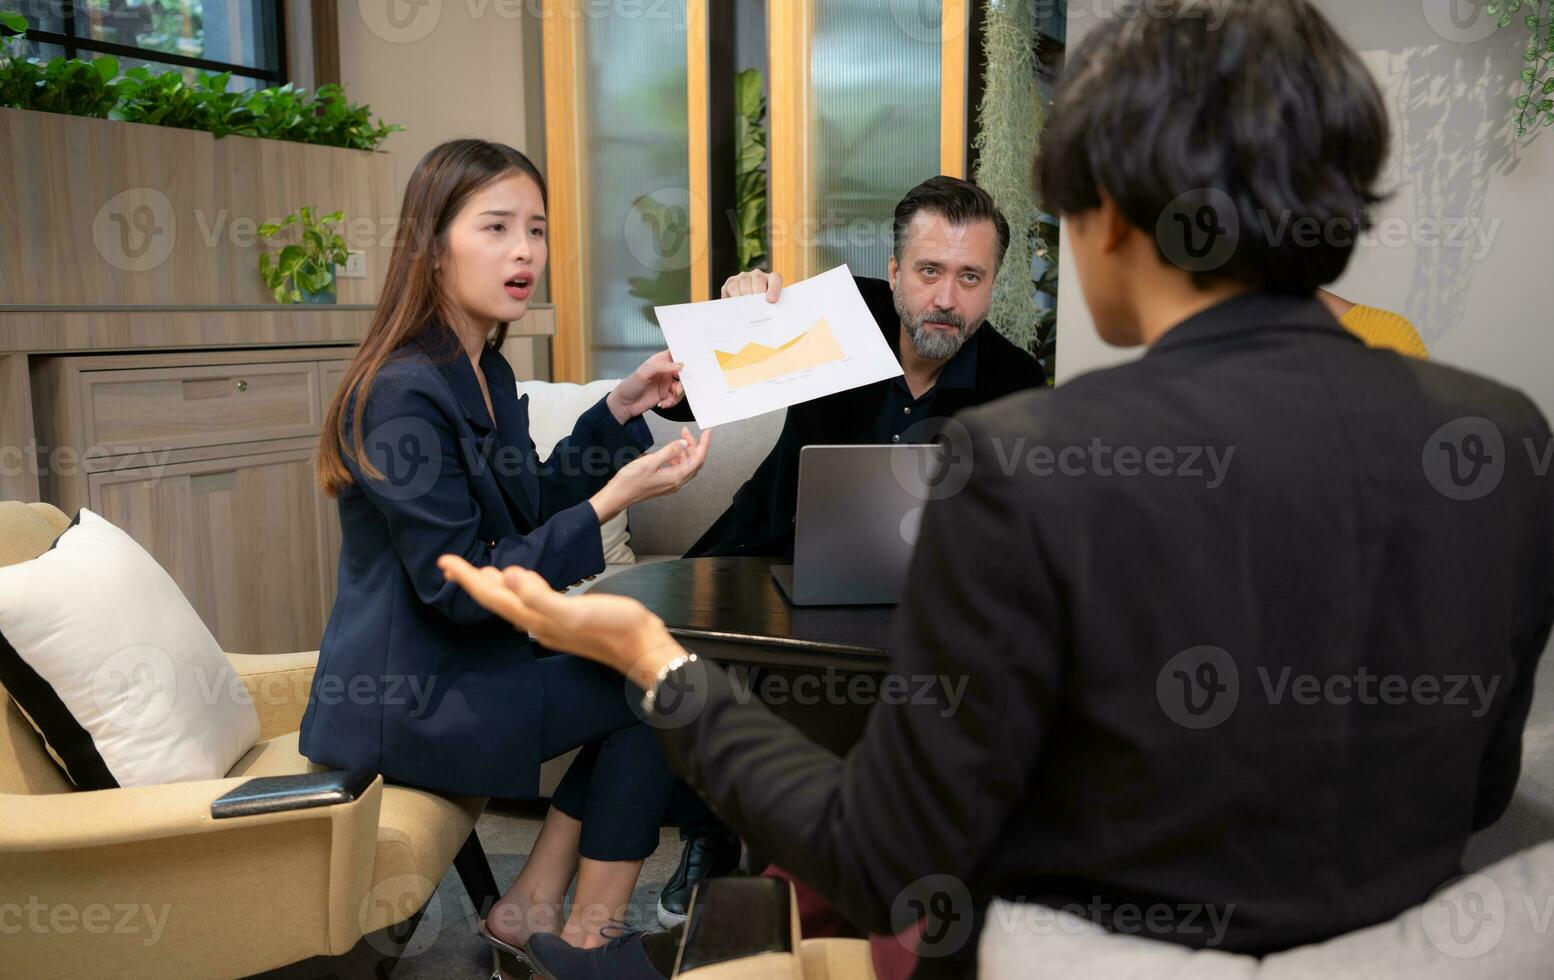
(950, 239)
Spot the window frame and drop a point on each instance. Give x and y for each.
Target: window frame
(75, 44)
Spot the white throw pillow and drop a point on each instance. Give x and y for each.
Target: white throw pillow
(113, 667)
(554, 409)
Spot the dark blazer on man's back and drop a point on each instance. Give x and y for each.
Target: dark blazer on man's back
(1247, 631)
(415, 680)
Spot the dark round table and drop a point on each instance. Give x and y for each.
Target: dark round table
(730, 610)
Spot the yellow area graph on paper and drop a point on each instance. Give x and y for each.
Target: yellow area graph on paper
(755, 363)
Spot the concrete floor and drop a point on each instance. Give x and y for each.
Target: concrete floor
(446, 944)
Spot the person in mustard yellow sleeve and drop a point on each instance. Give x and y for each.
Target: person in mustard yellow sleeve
(1378, 328)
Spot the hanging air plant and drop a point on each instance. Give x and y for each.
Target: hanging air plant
(1010, 120)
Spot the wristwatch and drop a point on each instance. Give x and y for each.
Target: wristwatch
(651, 694)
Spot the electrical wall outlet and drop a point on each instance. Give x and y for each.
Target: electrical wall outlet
(355, 266)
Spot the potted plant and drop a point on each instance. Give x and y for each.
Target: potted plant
(304, 273)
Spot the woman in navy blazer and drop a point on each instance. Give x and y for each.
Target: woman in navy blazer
(426, 446)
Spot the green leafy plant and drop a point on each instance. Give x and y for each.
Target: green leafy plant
(67, 85)
(16, 77)
(198, 100)
(225, 113)
(1536, 100)
(750, 168)
(337, 122)
(282, 113)
(308, 266)
(170, 99)
(15, 25)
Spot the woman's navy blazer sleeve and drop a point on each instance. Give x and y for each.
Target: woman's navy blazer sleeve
(415, 680)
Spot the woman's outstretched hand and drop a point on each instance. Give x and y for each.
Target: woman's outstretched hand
(616, 631)
(653, 475)
(656, 384)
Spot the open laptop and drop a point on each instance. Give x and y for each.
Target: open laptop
(859, 510)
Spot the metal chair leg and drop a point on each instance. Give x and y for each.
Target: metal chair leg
(475, 872)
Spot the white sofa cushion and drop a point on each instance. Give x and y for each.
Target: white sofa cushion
(113, 667)
(1497, 924)
(669, 525)
(554, 408)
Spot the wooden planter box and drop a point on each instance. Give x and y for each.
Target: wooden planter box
(101, 213)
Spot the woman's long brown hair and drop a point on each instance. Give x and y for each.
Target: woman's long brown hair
(412, 302)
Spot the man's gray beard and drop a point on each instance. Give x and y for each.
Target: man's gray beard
(933, 344)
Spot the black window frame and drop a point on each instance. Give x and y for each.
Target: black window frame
(74, 44)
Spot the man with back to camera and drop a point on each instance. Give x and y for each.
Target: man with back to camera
(949, 242)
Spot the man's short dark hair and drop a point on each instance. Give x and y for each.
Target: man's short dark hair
(957, 201)
(1266, 125)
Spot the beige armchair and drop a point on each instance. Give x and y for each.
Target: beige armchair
(146, 882)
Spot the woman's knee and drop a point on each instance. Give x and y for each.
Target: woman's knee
(633, 756)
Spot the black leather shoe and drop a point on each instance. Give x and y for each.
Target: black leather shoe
(702, 858)
(622, 958)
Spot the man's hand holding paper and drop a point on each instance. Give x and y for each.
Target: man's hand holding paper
(758, 352)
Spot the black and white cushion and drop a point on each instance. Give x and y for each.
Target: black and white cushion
(113, 667)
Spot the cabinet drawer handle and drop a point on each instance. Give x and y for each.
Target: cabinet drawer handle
(242, 385)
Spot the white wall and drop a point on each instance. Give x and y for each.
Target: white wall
(450, 69)
(1455, 158)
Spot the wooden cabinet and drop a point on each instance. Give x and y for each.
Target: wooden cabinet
(206, 459)
(241, 536)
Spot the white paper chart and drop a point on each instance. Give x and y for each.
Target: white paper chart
(745, 357)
